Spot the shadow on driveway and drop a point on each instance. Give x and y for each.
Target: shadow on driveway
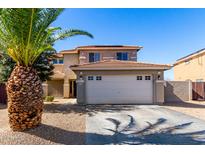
(85, 109)
(148, 135)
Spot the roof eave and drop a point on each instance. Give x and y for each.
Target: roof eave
(112, 69)
(106, 48)
(189, 57)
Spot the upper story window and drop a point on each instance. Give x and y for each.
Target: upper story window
(57, 61)
(93, 57)
(122, 56)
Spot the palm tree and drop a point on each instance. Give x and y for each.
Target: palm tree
(43, 66)
(24, 35)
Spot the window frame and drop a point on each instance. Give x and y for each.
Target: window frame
(90, 78)
(98, 78)
(139, 78)
(122, 56)
(147, 76)
(95, 58)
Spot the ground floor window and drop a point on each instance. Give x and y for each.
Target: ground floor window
(147, 77)
(139, 77)
(90, 77)
(98, 77)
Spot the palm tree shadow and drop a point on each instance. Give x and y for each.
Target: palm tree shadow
(90, 110)
(152, 134)
(61, 136)
(57, 135)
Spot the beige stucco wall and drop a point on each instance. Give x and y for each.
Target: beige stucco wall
(63, 71)
(59, 69)
(55, 88)
(107, 55)
(193, 70)
(70, 59)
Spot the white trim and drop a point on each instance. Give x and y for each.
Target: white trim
(107, 57)
(82, 57)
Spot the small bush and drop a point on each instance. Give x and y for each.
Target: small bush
(49, 98)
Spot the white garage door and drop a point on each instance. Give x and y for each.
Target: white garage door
(123, 89)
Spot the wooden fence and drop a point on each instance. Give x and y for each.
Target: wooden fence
(3, 96)
(198, 90)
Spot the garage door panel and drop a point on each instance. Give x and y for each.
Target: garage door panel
(119, 90)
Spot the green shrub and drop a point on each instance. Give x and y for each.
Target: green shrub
(49, 98)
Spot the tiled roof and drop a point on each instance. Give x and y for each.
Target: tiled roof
(194, 53)
(74, 51)
(110, 46)
(117, 64)
(190, 56)
(101, 47)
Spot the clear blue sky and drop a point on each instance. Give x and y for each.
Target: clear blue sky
(165, 34)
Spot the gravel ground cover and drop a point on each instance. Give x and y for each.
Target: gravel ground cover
(62, 124)
(193, 108)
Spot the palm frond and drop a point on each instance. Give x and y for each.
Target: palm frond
(69, 33)
(26, 33)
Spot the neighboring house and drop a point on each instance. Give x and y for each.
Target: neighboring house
(106, 75)
(191, 67)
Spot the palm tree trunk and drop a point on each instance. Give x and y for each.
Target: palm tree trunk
(25, 98)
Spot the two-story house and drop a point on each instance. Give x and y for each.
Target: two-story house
(191, 67)
(106, 75)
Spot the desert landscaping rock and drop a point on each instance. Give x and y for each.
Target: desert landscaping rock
(66, 127)
(67, 123)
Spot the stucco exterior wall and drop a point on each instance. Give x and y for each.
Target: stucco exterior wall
(192, 70)
(55, 88)
(159, 92)
(107, 55)
(63, 71)
(69, 59)
(178, 91)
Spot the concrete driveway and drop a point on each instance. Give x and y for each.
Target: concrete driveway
(140, 124)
